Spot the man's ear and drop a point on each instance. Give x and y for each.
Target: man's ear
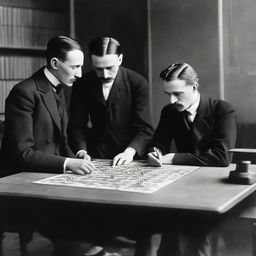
(195, 86)
(54, 63)
(120, 59)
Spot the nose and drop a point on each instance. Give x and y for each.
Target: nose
(79, 72)
(173, 99)
(105, 73)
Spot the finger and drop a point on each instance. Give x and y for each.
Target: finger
(78, 171)
(87, 171)
(88, 157)
(115, 160)
(93, 166)
(152, 154)
(89, 164)
(154, 161)
(120, 161)
(125, 162)
(158, 154)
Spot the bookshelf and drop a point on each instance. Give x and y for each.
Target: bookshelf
(25, 28)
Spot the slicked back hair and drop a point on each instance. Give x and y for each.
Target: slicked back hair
(58, 47)
(101, 46)
(182, 71)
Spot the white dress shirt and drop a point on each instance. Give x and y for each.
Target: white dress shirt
(192, 110)
(53, 80)
(106, 87)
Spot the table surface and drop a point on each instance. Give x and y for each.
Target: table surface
(205, 189)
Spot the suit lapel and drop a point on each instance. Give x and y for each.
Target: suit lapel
(202, 119)
(116, 89)
(97, 91)
(44, 86)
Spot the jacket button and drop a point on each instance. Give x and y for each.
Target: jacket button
(48, 140)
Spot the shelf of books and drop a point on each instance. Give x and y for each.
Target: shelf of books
(24, 33)
(15, 69)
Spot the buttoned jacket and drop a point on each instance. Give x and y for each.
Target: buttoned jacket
(35, 136)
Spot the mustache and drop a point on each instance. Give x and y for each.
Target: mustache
(175, 105)
(106, 80)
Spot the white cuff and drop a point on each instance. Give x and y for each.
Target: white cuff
(64, 166)
(82, 150)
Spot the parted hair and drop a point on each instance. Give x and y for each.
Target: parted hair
(101, 46)
(58, 47)
(182, 71)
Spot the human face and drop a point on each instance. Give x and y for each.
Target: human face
(70, 69)
(106, 66)
(181, 94)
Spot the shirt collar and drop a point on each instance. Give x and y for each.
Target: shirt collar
(52, 79)
(193, 108)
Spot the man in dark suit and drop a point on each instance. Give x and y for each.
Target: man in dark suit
(204, 129)
(35, 137)
(116, 102)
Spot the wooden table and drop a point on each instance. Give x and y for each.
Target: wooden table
(205, 189)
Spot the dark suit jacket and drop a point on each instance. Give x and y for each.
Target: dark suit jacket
(33, 138)
(121, 121)
(207, 143)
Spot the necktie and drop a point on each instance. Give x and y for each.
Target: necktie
(59, 97)
(60, 93)
(187, 120)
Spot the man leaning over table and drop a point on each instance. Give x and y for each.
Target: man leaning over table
(110, 119)
(110, 109)
(203, 129)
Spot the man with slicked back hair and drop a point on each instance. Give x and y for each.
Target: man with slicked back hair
(116, 101)
(203, 129)
(35, 138)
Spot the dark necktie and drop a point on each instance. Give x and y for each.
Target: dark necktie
(59, 97)
(188, 122)
(59, 93)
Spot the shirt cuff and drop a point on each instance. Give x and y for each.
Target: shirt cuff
(64, 166)
(168, 158)
(82, 150)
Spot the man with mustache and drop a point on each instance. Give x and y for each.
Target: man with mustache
(204, 129)
(110, 109)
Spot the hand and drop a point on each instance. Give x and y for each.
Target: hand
(124, 158)
(83, 155)
(155, 158)
(79, 166)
